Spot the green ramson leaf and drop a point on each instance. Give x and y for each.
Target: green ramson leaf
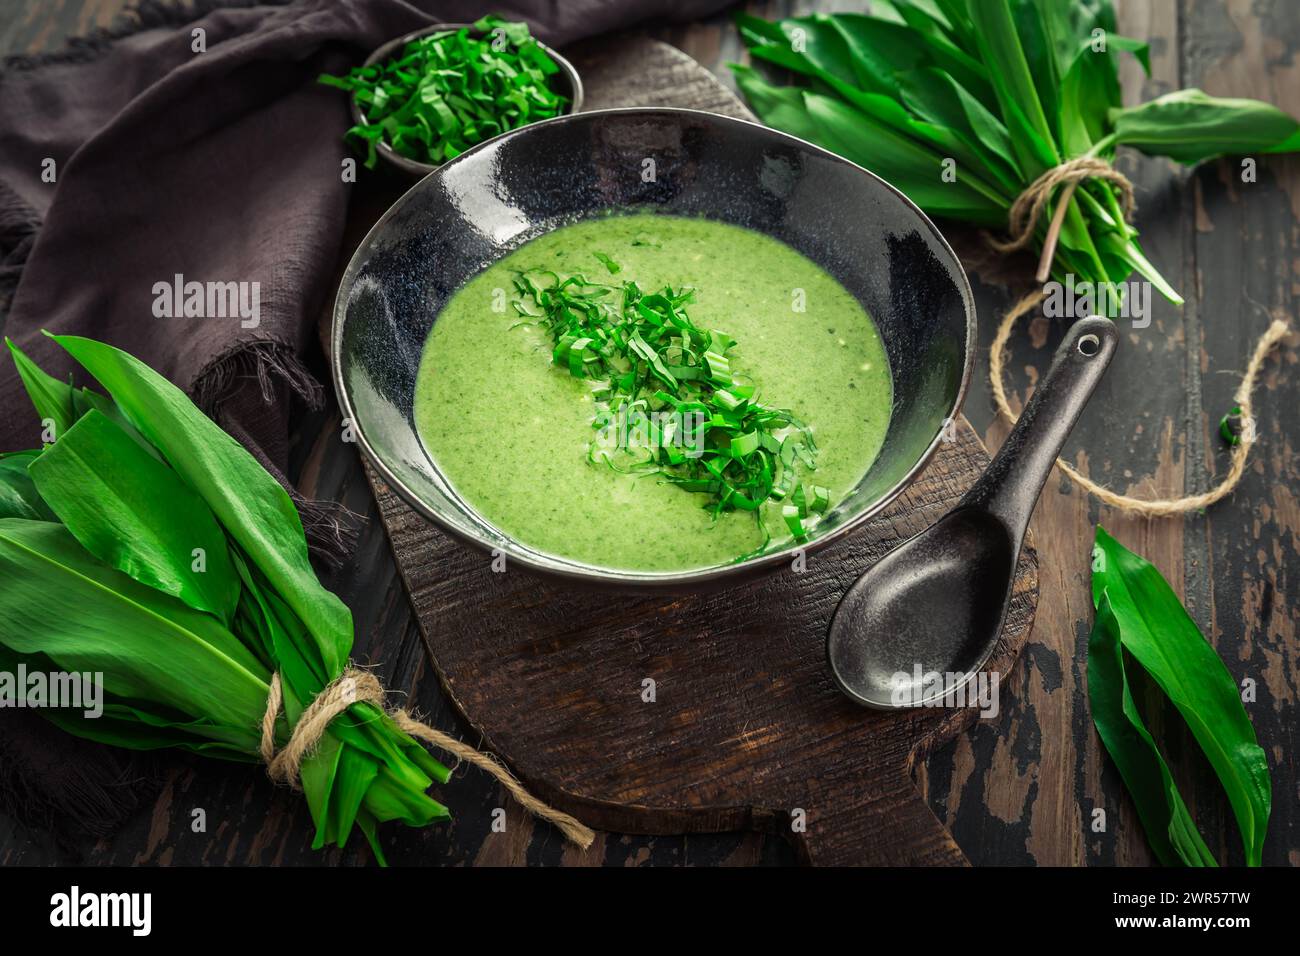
(842, 128)
(1013, 84)
(1139, 48)
(18, 495)
(1000, 187)
(957, 14)
(923, 16)
(148, 645)
(815, 41)
(888, 49)
(1157, 632)
(252, 507)
(1189, 127)
(63, 404)
(53, 399)
(318, 776)
(145, 726)
(1165, 818)
(1036, 26)
(356, 772)
(133, 513)
(935, 96)
(1132, 254)
(1058, 34)
(1086, 83)
(1088, 15)
(781, 107)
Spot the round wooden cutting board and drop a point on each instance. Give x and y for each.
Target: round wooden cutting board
(701, 713)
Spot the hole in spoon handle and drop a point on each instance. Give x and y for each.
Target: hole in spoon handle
(1011, 485)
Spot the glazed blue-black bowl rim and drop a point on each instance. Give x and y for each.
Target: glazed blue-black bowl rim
(383, 52)
(620, 578)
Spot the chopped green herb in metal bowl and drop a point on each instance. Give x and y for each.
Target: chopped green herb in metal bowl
(426, 97)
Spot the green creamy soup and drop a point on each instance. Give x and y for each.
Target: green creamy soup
(511, 430)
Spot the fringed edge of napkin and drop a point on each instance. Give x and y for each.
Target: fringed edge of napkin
(55, 782)
(331, 528)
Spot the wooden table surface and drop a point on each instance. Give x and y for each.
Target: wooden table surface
(1021, 788)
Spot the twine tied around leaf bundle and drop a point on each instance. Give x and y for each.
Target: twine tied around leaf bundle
(1022, 221)
(355, 685)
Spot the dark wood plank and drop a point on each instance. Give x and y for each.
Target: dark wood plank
(1244, 252)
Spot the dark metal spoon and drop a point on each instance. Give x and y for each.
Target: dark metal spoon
(936, 603)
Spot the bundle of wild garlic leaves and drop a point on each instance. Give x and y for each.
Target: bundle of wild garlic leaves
(146, 546)
(963, 104)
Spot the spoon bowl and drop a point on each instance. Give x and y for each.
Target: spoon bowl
(933, 599)
(919, 624)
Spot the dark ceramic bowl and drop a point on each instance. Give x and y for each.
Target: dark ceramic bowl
(566, 81)
(497, 196)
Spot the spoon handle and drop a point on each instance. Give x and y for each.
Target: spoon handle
(1009, 488)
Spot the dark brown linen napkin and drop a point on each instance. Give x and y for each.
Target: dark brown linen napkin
(215, 165)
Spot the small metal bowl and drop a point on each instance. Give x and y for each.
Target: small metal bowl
(493, 198)
(566, 82)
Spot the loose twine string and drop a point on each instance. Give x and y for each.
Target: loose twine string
(1022, 221)
(354, 686)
